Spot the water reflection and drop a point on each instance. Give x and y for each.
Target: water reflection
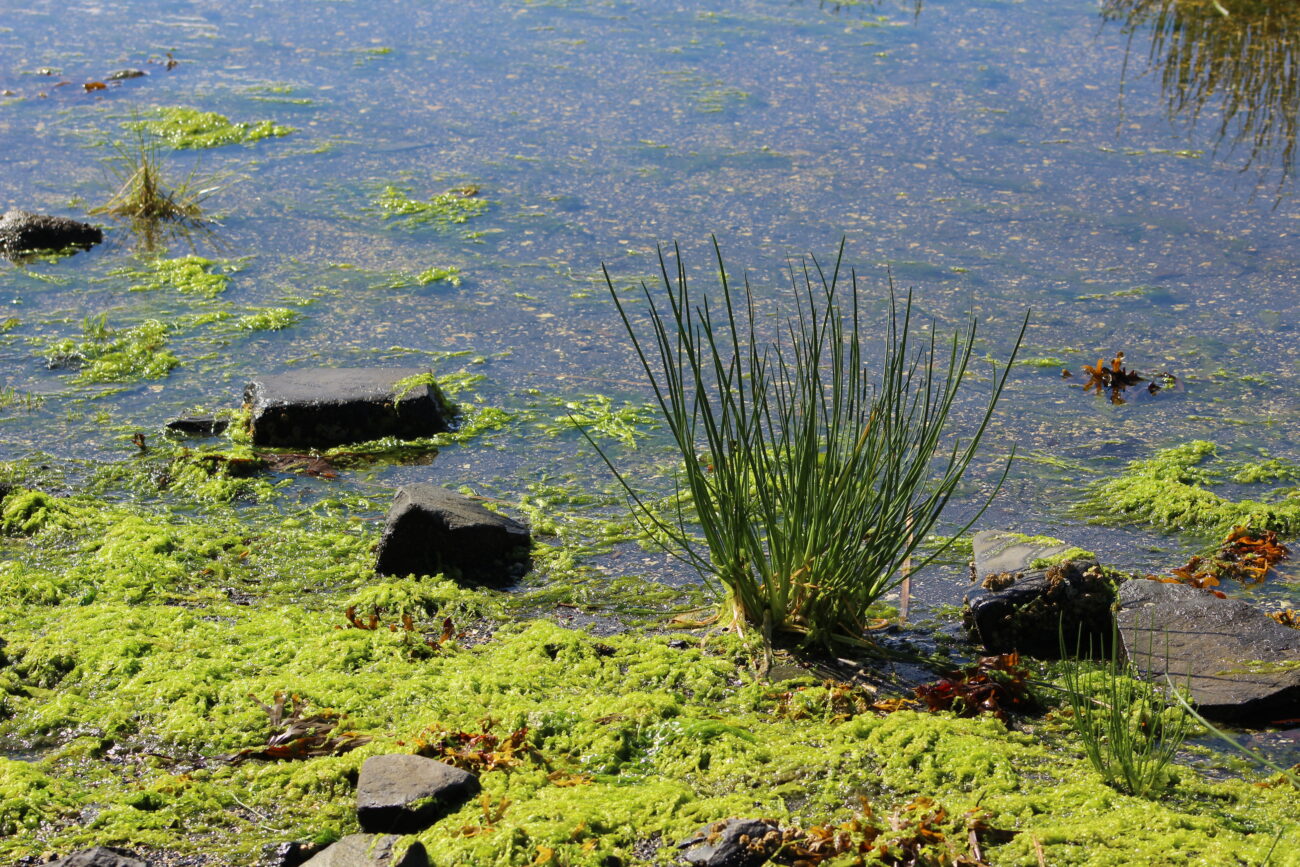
(1234, 57)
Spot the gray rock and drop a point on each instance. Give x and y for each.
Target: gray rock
(732, 843)
(1238, 663)
(124, 74)
(5, 488)
(1004, 551)
(1015, 607)
(100, 856)
(25, 232)
(431, 529)
(403, 794)
(323, 407)
(368, 850)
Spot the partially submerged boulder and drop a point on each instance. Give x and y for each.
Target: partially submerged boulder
(25, 232)
(1238, 663)
(324, 407)
(431, 529)
(100, 856)
(405, 794)
(1031, 591)
(369, 850)
(732, 843)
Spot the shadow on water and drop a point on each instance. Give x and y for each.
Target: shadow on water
(1236, 59)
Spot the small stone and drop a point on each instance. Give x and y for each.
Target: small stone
(124, 74)
(25, 232)
(431, 530)
(100, 856)
(325, 407)
(732, 843)
(369, 850)
(1238, 663)
(404, 794)
(291, 854)
(198, 426)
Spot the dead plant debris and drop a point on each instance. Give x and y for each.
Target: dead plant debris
(299, 736)
(998, 685)
(1243, 556)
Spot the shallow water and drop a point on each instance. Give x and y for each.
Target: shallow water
(994, 156)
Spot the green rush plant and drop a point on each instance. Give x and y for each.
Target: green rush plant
(1130, 728)
(812, 480)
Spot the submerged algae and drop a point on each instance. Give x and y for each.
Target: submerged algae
(1169, 490)
(184, 127)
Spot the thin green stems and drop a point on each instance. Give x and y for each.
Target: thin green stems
(811, 480)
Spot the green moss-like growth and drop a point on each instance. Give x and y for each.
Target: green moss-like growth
(445, 209)
(185, 127)
(270, 319)
(1169, 490)
(115, 354)
(1063, 557)
(189, 275)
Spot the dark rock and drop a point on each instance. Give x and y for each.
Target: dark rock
(732, 843)
(369, 850)
(403, 794)
(1238, 663)
(1015, 607)
(198, 426)
(292, 854)
(431, 529)
(24, 232)
(323, 407)
(124, 74)
(100, 856)
(5, 488)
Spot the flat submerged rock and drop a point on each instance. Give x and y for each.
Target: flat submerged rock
(326, 407)
(1238, 663)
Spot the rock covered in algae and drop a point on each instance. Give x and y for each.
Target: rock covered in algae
(1031, 590)
(100, 856)
(732, 843)
(431, 529)
(24, 232)
(405, 794)
(368, 850)
(1238, 663)
(325, 407)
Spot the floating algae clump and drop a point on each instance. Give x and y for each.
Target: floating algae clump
(190, 128)
(115, 354)
(189, 275)
(1169, 490)
(445, 209)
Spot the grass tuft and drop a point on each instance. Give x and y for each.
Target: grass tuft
(812, 482)
(1130, 729)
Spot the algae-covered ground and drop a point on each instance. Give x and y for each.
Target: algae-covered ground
(140, 638)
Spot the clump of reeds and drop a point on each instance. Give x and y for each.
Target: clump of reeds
(143, 193)
(811, 481)
(1131, 729)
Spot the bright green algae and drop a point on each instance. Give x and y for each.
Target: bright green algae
(184, 127)
(128, 645)
(1171, 490)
